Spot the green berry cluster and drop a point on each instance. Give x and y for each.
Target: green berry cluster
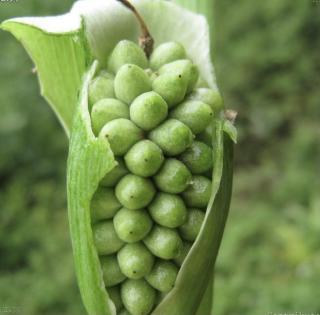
(149, 209)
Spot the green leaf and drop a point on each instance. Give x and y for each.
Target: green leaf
(89, 159)
(60, 58)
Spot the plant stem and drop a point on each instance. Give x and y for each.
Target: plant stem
(145, 40)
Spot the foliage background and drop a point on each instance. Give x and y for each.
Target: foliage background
(267, 63)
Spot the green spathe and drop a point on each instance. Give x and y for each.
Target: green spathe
(105, 238)
(173, 137)
(135, 192)
(101, 87)
(198, 193)
(105, 110)
(112, 274)
(163, 275)
(121, 134)
(168, 210)
(104, 204)
(165, 53)
(130, 82)
(198, 157)
(173, 177)
(126, 52)
(148, 110)
(190, 229)
(195, 114)
(144, 158)
(132, 226)
(135, 260)
(164, 242)
(138, 296)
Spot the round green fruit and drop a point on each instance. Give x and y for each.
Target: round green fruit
(174, 177)
(164, 242)
(144, 158)
(135, 192)
(148, 110)
(198, 192)
(132, 226)
(138, 296)
(121, 134)
(168, 210)
(106, 110)
(130, 82)
(135, 260)
(105, 238)
(172, 136)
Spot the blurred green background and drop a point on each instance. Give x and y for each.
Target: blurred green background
(267, 63)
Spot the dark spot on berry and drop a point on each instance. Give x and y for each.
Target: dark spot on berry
(130, 232)
(180, 76)
(134, 271)
(131, 196)
(146, 160)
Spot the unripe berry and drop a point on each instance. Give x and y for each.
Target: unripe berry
(121, 134)
(106, 110)
(113, 177)
(102, 86)
(163, 275)
(173, 137)
(104, 204)
(163, 242)
(195, 114)
(126, 52)
(115, 296)
(132, 225)
(190, 229)
(135, 192)
(105, 238)
(173, 177)
(144, 158)
(172, 87)
(208, 96)
(148, 110)
(138, 296)
(112, 274)
(135, 260)
(186, 246)
(198, 193)
(198, 157)
(168, 210)
(165, 53)
(130, 82)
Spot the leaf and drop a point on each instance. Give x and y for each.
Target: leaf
(60, 57)
(89, 159)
